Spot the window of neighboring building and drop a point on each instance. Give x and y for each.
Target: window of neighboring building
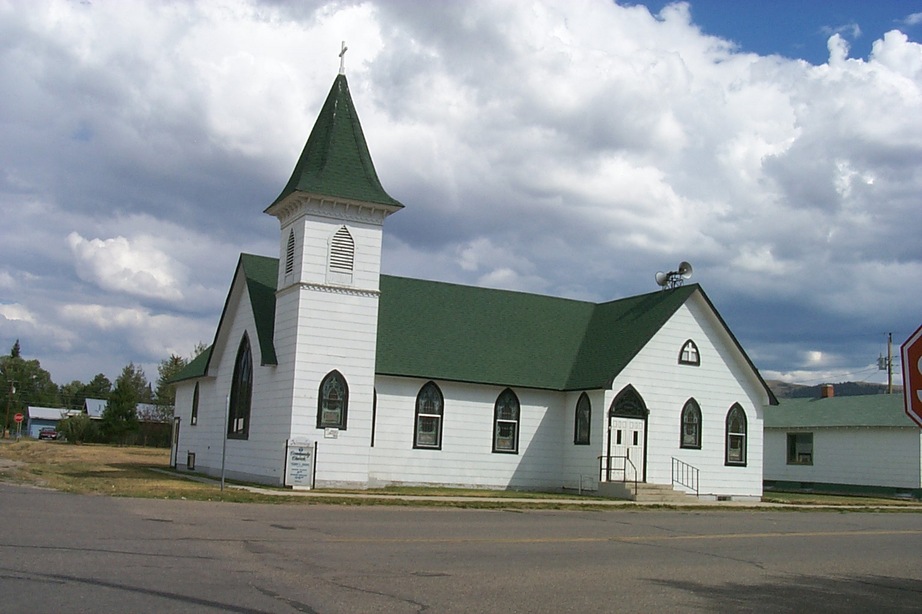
(194, 419)
(342, 251)
(691, 425)
(583, 420)
(241, 396)
(332, 402)
(506, 423)
(290, 253)
(428, 430)
(736, 436)
(689, 354)
(800, 448)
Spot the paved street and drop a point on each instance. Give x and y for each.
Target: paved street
(74, 553)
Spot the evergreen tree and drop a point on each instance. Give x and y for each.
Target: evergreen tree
(99, 388)
(120, 418)
(23, 383)
(165, 396)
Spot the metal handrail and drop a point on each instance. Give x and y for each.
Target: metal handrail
(606, 468)
(685, 475)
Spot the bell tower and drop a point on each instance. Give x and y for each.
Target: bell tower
(331, 215)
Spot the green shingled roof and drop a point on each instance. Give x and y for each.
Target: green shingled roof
(873, 410)
(261, 276)
(195, 368)
(443, 331)
(259, 273)
(335, 161)
(451, 332)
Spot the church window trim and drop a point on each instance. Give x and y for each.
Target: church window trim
(506, 414)
(736, 436)
(427, 430)
(582, 421)
(333, 402)
(689, 354)
(690, 437)
(241, 395)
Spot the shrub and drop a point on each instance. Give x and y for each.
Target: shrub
(78, 429)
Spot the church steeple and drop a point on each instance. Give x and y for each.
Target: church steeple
(335, 162)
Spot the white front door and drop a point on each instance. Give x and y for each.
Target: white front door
(626, 442)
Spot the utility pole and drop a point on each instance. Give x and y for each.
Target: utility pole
(887, 363)
(9, 401)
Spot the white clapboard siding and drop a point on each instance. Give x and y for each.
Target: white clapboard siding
(721, 380)
(466, 457)
(857, 456)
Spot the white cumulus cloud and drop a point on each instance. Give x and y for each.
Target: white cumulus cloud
(136, 267)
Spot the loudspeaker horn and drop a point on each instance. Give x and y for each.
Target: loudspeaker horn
(685, 269)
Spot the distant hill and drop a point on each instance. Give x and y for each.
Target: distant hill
(784, 390)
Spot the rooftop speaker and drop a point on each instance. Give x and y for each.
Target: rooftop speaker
(685, 269)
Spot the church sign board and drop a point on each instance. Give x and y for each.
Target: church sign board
(299, 473)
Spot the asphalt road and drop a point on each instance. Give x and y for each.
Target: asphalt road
(72, 553)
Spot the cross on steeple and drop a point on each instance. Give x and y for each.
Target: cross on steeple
(342, 59)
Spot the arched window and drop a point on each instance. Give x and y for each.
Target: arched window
(689, 355)
(428, 430)
(342, 251)
(290, 253)
(241, 396)
(628, 404)
(736, 436)
(332, 402)
(691, 425)
(194, 419)
(506, 423)
(582, 421)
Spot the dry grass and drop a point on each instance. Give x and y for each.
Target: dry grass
(120, 471)
(126, 471)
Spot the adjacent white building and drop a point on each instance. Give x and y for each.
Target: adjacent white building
(405, 381)
(854, 444)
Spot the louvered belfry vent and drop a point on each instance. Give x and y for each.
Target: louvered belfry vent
(342, 251)
(290, 254)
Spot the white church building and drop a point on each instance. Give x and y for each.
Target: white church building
(395, 381)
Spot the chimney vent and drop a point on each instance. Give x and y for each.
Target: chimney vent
(827, 391)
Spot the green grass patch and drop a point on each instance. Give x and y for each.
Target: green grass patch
(802, 498)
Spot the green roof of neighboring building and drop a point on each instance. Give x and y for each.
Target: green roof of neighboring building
(873, 410)
(336, 161)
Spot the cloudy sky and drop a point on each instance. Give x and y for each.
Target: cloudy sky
(567, 148)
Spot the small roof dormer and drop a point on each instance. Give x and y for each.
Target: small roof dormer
(336, 162)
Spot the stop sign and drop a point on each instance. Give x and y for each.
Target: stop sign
(18, 417)
(911, 353)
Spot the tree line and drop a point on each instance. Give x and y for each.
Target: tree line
(24, 383)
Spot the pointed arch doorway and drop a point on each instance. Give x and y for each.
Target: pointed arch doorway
(627, 436)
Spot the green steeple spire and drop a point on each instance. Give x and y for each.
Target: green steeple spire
(335, 161)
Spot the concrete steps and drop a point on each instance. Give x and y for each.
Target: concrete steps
(646, 493)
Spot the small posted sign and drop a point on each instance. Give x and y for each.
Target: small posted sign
(299, 471)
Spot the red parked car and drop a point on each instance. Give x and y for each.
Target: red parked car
(48, 433)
